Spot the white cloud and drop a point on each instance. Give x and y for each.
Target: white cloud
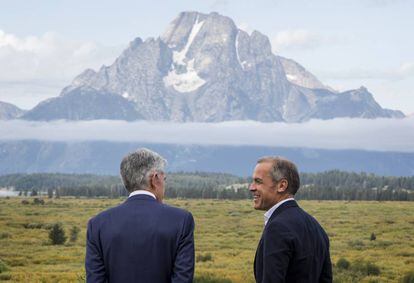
(219, 5)
(404, 71)
(49, 57)
(297, 39)
(382, 3)
(378, 134)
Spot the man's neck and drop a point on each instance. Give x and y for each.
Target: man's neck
(286, 196)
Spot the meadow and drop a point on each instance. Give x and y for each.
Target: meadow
(370, 241)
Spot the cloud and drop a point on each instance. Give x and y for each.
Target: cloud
(404, 71)
(219, 5)
(296, 39)
(378, 134)
(383, 3)
(49, 57)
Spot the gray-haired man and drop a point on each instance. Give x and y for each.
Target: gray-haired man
(141, 240)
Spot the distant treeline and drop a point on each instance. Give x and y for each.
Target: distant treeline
(330, 185)
(339, 185)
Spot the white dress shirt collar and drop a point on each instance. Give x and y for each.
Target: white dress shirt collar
(269, 213)
(142, 192)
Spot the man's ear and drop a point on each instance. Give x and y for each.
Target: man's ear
(152, 181)
(282, 186)
(155, 180)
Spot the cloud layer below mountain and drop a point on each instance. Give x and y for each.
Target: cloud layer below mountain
(377, 135)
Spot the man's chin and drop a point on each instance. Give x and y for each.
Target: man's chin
(257, 206)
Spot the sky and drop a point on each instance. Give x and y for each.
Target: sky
(346, 44)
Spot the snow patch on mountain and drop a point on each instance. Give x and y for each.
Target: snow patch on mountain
(182, 76)
(179, 57)
(184, 82)
(242, 63)
(292, 78)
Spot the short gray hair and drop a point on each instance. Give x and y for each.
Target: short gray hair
(137, 166)
(283, 169)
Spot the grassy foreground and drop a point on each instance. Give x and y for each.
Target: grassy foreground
(227, 233)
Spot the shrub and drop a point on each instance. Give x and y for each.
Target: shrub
(203, 258)
(366, 268)
(343, 263)
(38, 201)
(408, 278)
(3, 267)
(74, 232)
(372, 269)
(17, 261)
(356, 244)
(5, 235)
(57, 234)
(5, 277)
(33, 225)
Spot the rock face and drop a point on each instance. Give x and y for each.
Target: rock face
(298, 75)
(9, 111)
(84, 103)
(204, 69)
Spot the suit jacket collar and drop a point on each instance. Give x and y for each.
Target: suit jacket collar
(140, 197)
(284, 206)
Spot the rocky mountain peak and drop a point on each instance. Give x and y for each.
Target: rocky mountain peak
(204, 69)
(260, 43)
(9, 111)
(298, 75)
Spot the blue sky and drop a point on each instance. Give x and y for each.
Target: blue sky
(346, 44)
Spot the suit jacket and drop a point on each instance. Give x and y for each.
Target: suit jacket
(140, 240)
(293, 248)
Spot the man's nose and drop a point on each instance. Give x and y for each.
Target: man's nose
(252, 187)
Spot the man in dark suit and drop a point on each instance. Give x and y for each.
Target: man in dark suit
(293, 246)
(141, 240)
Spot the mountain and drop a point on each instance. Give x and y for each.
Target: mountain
(205, 69)
(297, 74)
(105, 157)
(84, 103)
(9, 111)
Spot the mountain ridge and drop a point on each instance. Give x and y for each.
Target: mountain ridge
(203, 68)
(10, 111)
(104, 157)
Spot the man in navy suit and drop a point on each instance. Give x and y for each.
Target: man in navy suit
(141, 240)
(293, 246)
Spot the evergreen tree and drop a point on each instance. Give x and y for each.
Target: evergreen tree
(57, 234)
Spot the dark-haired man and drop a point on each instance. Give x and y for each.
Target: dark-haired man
(293, 246)
(141, 240)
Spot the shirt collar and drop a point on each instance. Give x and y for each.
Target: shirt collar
(269, 213)
(142, 192)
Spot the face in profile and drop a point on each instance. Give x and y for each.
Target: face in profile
(158, 181)
(263, 188)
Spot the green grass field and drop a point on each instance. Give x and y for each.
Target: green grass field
(226, 237)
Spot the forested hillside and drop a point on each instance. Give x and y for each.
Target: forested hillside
(330, 185)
